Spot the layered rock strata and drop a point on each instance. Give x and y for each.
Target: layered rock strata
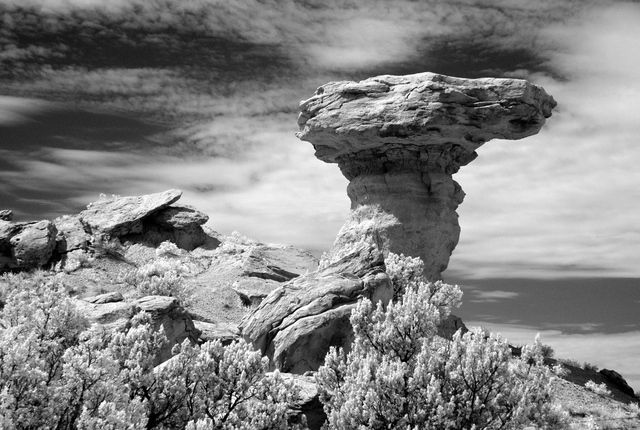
(399, 140)
(297, 323)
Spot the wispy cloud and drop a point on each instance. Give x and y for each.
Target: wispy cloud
(564, 201)
(479, 296)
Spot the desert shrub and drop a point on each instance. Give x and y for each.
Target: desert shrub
(104, 246)
(160, 277)
(236, 243)
(547, 351)
(570, 362)
(598, 388)
(590, 367)
(56, 373)
(168, 249)
(399, 374)
(407, 273)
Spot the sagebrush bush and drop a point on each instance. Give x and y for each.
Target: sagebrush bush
(57, 373)
(161, 277)
(600, 389)
(400, 375)
(590, 367)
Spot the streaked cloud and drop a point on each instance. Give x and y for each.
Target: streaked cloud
(563, 203)
(479, 296)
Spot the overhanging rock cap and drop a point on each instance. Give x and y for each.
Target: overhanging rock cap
(419, 111)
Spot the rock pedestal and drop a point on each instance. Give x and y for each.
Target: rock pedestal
(399, 140)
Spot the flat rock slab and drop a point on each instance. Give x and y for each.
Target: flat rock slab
(277, 262)
(253, 290)
(179, 216)
(224, 332)
(424, 109)
(110, 315)
(123, 215)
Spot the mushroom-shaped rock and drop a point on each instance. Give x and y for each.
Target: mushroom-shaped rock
(399, 139)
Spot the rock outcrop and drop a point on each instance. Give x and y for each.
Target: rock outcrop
(152, 219)
(25, 245)
(120, 216)
(297, 323)
(6, 215)
(399, 139)
(266, 266)
(618, 381)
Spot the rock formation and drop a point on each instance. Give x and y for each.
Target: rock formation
(399, 139)
(25, 245)
(151, 218)
(297, 323)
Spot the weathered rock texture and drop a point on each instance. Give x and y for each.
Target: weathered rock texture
(26, 245)
(123, 215)
(150, 219)
(399, 140)
(266, 266)
(297, 323)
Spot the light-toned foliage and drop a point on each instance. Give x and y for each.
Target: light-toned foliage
(400, 374)
(161, 277)
(600, 389)
(58, 373)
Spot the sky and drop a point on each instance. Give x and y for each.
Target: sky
(138, 96)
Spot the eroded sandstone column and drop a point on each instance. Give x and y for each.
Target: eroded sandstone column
(399, 140)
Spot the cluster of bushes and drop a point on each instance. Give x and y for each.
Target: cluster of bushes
(400, 374)
(57, 372)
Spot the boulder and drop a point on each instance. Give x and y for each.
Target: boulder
(120, 216)
(26, 245)
(297, 323)
(399, 140)
(167, 313)
(450, 326)
(6, 215)
(308, 403)
(72, 234)
(110, 315)
(618, 381)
